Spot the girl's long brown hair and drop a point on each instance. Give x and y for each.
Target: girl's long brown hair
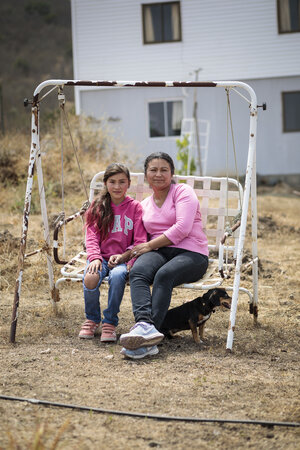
(100, 212)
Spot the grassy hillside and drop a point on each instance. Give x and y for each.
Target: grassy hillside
(35, 45)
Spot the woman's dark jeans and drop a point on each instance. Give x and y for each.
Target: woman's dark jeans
(164, 269)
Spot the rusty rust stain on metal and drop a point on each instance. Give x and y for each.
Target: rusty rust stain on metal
(55, 295)
(35, 113)
(194, 84)
(144, 83)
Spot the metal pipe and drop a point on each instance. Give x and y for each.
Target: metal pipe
(248, 180)
(27, 204)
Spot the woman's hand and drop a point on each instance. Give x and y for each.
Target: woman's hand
(94, 266)
(140, 249)
(114, 260)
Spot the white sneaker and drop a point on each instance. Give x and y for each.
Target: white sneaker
(140, 353)
(142, 334)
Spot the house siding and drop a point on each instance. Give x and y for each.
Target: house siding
(231, 39)
(227, 39)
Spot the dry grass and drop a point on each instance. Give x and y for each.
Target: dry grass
(258, 380)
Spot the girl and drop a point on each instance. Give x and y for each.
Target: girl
(113, 226)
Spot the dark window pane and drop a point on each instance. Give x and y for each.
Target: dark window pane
(167, 21)
(156, 22)
(171, 22)
(289, 15)
(153, 23)
(156, 117)
(291, 111)
(161, 22)
(174, 112)
(294, 13)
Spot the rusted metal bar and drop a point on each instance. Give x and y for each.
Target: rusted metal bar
(39, 250)
(27, 203)
(232, 229)
(60, 224)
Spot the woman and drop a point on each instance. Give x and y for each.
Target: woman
(176, 253)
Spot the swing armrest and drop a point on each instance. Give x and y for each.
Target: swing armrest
(226, 234)
(59, 225)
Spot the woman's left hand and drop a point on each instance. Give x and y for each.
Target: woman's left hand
(114, 260)
(140, 249)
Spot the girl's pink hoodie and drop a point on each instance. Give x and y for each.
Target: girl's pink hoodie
(127, 231)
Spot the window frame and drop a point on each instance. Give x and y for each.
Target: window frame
(283, 112)
(280, 31)
(144, 6)
(164, 101)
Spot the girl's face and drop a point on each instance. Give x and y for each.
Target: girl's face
(117, 186)
(159, 174)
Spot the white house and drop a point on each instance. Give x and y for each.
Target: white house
(257, 42)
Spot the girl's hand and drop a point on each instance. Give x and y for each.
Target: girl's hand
(114, 260)
(94, 266)
(140, 249)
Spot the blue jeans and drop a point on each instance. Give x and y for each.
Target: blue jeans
(116, 280)
(164, 268)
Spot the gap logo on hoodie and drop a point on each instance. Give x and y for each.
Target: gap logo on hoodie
(117, 224)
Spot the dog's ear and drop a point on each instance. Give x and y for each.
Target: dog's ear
(214, 297)
(207, 294)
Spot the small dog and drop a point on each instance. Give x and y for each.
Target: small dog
(195, 313)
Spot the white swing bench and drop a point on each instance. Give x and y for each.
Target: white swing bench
(220, 201)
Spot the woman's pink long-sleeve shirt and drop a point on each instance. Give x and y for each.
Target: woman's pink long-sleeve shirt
(127, 231)
(179, 219)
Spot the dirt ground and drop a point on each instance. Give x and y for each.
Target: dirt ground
(259, 380)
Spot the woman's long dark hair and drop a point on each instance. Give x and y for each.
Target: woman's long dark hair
(100, 212)
(159, 155)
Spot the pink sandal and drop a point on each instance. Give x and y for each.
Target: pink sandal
(108, 333)
(88, 329)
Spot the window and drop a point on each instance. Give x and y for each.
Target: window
(161, 22)
(288, 16)
(291, 111)
(165, 118)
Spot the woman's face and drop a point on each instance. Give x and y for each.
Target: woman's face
(159, 174)
(117, 186)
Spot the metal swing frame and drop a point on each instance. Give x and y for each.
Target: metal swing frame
(35, 160)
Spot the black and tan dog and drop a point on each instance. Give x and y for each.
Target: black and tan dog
(195, 313)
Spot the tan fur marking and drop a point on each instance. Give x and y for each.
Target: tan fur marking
(194, 332)
(201, 330)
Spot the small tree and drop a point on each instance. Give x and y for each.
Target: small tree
(183, 156)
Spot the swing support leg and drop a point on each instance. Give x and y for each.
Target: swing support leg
(248, 181)
(27, 204)
(53, 290)
(254, 304)
(33, 159)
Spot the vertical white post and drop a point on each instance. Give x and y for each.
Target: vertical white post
(248, 181)
(27, 204)
(54, 292)
(254, 306)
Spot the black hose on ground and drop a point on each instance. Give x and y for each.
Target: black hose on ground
(263, 423)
